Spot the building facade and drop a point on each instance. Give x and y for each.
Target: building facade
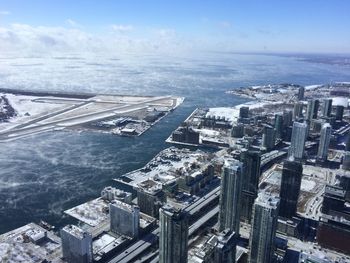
(263, 232)
(173, 237)
(251, 166)
(225, 250)
(325, 139)
(76, 245)
(327, 107)
(124, 218)
(312, 109)
(290, 188)
(268, 138)
(230, 196)
(297, 145)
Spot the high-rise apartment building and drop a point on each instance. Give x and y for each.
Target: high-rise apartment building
(325, 139)
(263, 232)
(230, 196)
(124, 218)
(173, 237)
(76, 245)
(327, 107)
(251, 172)
(299, 134)
(290, 188)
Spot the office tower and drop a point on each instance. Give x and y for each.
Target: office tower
(344, 181)
(230, 196)
(298, 111)
(334, 198)
(251, 172)
(244, 112)
(301, 92)
(339, 112)
(312, 109)
(287, 118)
(110, 193)
(316, 125)
(225, 249)
(263, 231)
(333, 232)
(327, 107)
(279, 126)
(268, 138)
(297, 145)
(237, 131)
(124, 218)
(173, 237)
(325, 139)
(290, 188)
(346, 161)
(347, 142)
(150, 197)
(76, 245)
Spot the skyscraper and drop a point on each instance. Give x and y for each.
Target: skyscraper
(325, 138)
(290, 188)
(297, 145)
(124, 218)
(263, 232)
(244, 112)
(327, 107)
(279, 126)
(287, 118)
(173, 238)
(346, 161)
(312, 109)
(76, 245)
(339, 112)
(230, 196)
(268, 138)
(225, 249)
(347, 142)
(251, 172)
(301, 92)
(298, 111)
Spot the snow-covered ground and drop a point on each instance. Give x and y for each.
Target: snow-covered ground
(312, 87)
(208, 132)
(25, 105)
(341, 101)
(307, 185)
(258, 104)
(27, 109)
(102, 242)
(228, 113)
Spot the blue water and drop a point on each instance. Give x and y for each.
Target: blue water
(45, 174)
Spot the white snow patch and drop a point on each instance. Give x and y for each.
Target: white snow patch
(312, 87)
(228, 113)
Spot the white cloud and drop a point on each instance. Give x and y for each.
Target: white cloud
(5, 13)
(26, 39)
(122, 28)
(73, 23)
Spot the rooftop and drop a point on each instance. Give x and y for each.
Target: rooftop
(267, 201)
(75, 231)
(124, 206)
(30, 243)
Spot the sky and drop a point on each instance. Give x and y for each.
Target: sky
(301, 26)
